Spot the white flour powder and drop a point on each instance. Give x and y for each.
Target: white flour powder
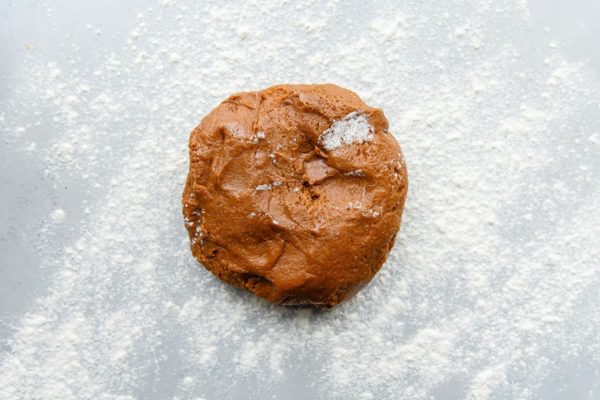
(353, 128)
(490, 292)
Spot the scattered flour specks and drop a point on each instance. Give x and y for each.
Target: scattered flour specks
(57, 215)
(491, 290)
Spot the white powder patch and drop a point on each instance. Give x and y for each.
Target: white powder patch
(358, 172)
(353, 128)
(491, 290)
(369, 213)
(57, 215)
(258, 137)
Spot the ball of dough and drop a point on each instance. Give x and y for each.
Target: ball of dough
(294, 193)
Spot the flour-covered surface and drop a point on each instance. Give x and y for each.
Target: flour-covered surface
(492, 290)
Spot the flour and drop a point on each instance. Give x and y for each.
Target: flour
(491, 290)
(57, 215)
(353, 128)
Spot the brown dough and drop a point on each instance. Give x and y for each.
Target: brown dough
(294, 193)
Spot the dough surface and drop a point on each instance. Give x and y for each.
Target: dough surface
(295, 193)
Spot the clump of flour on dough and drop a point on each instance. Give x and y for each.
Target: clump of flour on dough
(263, 187)
(353, 128)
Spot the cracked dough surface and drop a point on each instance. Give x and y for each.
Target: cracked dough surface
(271, 208)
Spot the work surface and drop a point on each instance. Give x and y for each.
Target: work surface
(491, 291)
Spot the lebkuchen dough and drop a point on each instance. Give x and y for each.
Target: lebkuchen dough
(294, 193)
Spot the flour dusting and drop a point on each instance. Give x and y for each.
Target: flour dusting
(491, 290)
(353, 128)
